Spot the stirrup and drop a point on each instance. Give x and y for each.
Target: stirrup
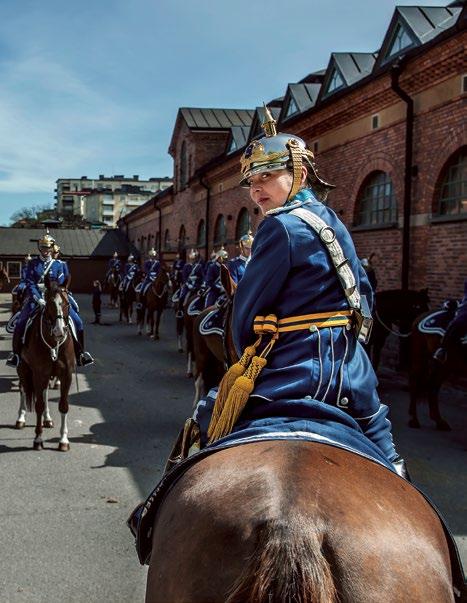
(440, 355)
(85, 359)
(12, 360)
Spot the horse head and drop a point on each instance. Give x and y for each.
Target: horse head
(57, 308)
(419, 301)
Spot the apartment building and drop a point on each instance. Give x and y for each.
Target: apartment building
(105, 199)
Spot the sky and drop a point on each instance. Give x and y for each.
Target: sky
(93, 86)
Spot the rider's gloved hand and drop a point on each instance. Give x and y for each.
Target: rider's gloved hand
(40, 301)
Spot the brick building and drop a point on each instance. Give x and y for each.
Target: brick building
(388, 129)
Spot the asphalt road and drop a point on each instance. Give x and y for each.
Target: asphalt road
(63, 536)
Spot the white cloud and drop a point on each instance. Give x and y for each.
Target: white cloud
(51, 123)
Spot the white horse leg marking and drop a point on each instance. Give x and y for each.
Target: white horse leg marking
(64, 430)
(179, 342)
(21, 420)
(198, 386)
(46, 416)
(189, 366)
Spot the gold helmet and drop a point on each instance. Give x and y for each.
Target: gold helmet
(115, 254)
(27, 257)
(46, 241)
(55, 248)
(194, 254)
(246, 240)
(280, 151)
(152, 253)
(222, 254)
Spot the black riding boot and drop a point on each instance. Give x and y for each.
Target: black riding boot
(83, 358)
(14, 357)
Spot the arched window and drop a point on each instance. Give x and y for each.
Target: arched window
(156, 241)
(181, 238)
(243, 224)
(220, 231)
(376, 202)
(452, 192)
(167, 240)
(201, 235)
(183, 166)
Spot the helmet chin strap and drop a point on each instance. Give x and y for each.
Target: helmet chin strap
(296, 155)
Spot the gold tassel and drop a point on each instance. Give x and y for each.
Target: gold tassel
(235, 371)
(236, 400)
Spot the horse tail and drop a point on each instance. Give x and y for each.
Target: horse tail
(288, 566)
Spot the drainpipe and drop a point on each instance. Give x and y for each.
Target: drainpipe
(396, 71)
(208, 204)
(159, 243)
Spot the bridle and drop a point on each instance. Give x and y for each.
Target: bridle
(44, 317)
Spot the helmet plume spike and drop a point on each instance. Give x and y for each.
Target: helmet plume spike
(269, 124)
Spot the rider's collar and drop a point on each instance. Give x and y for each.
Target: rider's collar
(305, 195)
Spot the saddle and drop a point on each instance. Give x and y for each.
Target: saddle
(212, 323)
(196, 306)
(437, 322)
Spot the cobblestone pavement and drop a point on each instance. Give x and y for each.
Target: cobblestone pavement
(63, 535)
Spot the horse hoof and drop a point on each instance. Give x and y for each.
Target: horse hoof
(38, 445)
(63, 447)
(48, 424)
(414, 423)
(443, 425)
(20, 425)
(152, 337)
(156, 337)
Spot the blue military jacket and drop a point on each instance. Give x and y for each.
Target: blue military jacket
(196, 278)
(212, 278)
(186, 272)
(290, 273)
(151, 269)
(35, 274)
(115, 263)
(130, 269)
(237, 267)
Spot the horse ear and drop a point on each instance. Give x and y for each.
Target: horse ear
(227, 282)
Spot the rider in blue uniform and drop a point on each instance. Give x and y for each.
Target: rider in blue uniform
(195, 278)
(306, 293)
(177, 270)
(129, 273)
(213, 278)
(456, 331)
(238, 264)
(151, 269)
(114, 264)
(38, 268)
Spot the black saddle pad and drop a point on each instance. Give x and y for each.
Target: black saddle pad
(436, 323)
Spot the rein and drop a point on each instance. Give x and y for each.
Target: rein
(53, 349)
(396, 333)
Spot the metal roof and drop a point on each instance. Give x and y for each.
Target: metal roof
(238, 138)
(421, 23)
(304, 95)
(218, 119)
(72, 242)
(351, 66)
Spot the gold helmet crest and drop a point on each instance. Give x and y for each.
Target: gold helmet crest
(279, 151)
(46, 241)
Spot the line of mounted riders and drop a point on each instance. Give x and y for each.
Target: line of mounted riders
(201, 295)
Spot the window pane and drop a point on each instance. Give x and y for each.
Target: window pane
(453, 187)
(376, 201)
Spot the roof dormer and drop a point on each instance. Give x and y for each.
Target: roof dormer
(298, 99)
(344, 69)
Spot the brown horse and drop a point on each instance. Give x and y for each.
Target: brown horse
(113, 283)
(426, 375)
(295, 522)
(127, 296)
(48, 352)
(152, 303)
(284, 521)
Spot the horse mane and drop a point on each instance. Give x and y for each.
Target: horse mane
(273, 573)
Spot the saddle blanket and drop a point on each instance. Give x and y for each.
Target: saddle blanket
(436, 323)
(196, 306)
(11, 324)
(212, 323)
